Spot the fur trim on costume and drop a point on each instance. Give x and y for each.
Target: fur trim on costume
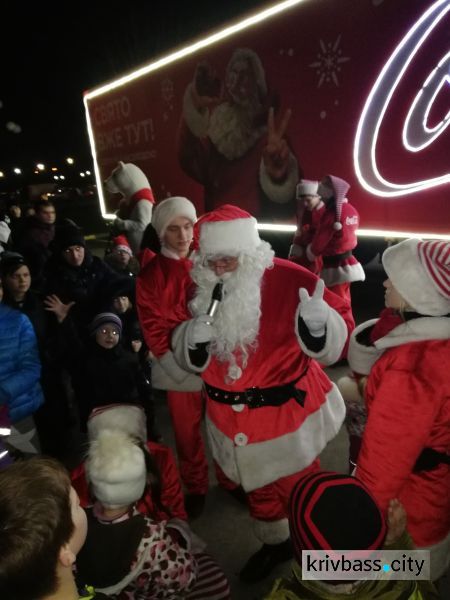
(168, 375)
(258, 464)
(361, 358)
(343, 274)
(116, 469)
(180, 345)
(283, 192)
(336, 336)
(128, 418)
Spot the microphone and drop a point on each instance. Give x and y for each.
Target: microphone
(215, 299)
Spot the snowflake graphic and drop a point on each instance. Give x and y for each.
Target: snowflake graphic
(167, 92)
(328, 62)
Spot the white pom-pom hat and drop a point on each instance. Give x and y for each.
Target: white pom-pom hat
(116, 469)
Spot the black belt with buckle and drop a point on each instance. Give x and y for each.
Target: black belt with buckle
(333, 261)
(256, 397)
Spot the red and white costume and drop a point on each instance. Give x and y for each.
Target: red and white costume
(326, 237)
(229, 163)
(267, 449)
(407, 396)
(162, 292)
(135, 210)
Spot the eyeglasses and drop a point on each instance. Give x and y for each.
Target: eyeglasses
(220, 261)
(111, 331)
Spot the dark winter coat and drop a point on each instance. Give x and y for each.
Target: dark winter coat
(86, 285)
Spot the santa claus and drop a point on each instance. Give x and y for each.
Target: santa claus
(270, 407)
(229, 141)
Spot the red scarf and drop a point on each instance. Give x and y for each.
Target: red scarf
(143, 194)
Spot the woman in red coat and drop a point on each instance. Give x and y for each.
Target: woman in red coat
(405, 451)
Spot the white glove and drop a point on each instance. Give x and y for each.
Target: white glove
(314, 310)
(201, 330)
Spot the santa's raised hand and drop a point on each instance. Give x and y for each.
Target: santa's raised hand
(276, 153)
(314, 311)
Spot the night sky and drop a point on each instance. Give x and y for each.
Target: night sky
(49, 59)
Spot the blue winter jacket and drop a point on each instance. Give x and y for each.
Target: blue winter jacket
(20, 367)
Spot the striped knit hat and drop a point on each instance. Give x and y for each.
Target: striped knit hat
(337, 188)
(330, 511)
(420, 272)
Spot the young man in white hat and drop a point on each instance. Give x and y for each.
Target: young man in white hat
(162, 291)
(270, 409)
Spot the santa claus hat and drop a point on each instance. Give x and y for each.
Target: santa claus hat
(306, 187)
(256, 65)
(128, 418)
(227, 231)
(338, 191)
(168, 210)
(420, 272)
(116, 468)
(121, 243)
(330, 511)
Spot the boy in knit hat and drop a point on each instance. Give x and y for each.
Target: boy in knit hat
(329, 511)
(102, 371)
(121, 257)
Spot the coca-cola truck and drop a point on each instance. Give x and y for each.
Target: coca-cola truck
(366, 84)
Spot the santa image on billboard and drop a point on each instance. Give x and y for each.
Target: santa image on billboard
(232, 142)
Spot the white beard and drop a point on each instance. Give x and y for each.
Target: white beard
(236, 322)
(232, 130)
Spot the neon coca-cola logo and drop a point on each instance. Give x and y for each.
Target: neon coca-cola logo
(416, 135)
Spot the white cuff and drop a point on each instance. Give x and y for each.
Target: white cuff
(284, 192)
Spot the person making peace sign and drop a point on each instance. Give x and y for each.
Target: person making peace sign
(230, 143)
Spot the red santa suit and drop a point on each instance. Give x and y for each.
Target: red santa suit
(264, 447)
(407, 396)
(307, 226)
(162, 292)
(405, 452)
(230, 165)
(331, 237)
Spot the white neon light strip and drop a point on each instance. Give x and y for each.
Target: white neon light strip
(166, 60)
(362, 232)
(5, 431)
(4, 453)
(377, 103)
(195, 47)
(416, 133)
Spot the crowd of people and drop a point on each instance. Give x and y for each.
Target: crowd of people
(238, 340)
